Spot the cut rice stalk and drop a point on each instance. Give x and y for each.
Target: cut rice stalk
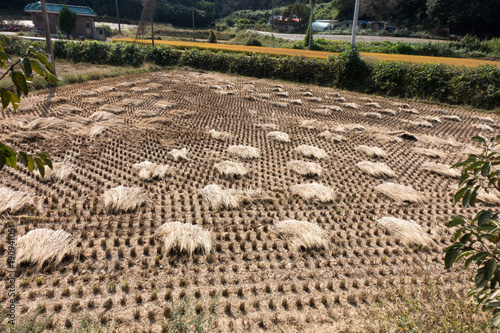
(373, 115)
(244, 152)
(351, 105)
(307, 169)
(221, 136)
(389, 112)
(374, 152)
(303, 235)
(311, 152)
(376, 169)
(178, 154)
(184, 238)
(278, 136)
(332, 137)
(432, 153)
(124, 199)
(400, 193)
(41, 247)
(231, 169)
(313, 192)
(323, 112)
(452, 118)
(441, 169)
(491, 198)
(408, 232)
(483, 127)
(373, 105)
(433, 119)
(101, 116)
(149, 171)
(14, 201)
(59, 171)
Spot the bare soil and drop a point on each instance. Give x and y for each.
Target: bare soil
(280, 289)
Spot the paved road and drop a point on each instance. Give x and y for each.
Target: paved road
(347, 38)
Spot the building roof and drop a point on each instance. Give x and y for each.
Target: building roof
(56, 8)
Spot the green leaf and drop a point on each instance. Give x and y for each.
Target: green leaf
(485, 169)
(45, 158)
(452, 253)
(20, 82)
(489, 269)
(31, 163)
(4, 56)
(44, 60)
(456, 220)
(4, 40)
(479, 139)
(466, 198)
(40, 166)
(483, 217)
(38, 68)
(25, 65)
(496, 319)
(5, 97)
(14, 99)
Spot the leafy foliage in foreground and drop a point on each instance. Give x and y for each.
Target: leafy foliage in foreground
(477, 240)
(30, 63)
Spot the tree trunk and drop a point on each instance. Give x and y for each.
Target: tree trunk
(118, 16)
(48, 39)
(311, 26)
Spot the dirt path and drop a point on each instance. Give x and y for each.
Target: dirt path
(321, 54)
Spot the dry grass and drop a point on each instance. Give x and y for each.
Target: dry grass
(410, 111)
(408, 232)
(452, 118)
(389, 112)
(374, 152)
(124, 199)
(97, 130)
(14, 201)
(351, 105)
(101, 116)
(303, 235)
(441, 169)
(231, 169)
(491, 198)
(312, 124)
(150, 171)
(146, 113)
(278, 136)
(221, 136)
(376, 169)
(432, 153)
(131, 102)
(313, 192)
(116, 109)
(307, 169)
(400, 193)
(433, 119)
(331, 137)
(165, 105)
(59, 171)
(311, 152)
(323, 112)
(46, 124)
(482, 127)
(373, 115)
(218, 197)
(373, 105)
(246, 152)
(178, 154)
(184, 238)
(485, 119)
(41, 247)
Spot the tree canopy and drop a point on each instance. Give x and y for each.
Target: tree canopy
(67, 20)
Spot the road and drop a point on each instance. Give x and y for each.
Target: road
(347, 38)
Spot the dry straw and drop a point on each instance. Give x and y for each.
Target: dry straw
(400, 193)
(46, 124)
(41, 247)
(267, 126)
(373, 105)
(373, 115)
(221, 136)
(311, 152)
(452, 118)
(278, 136)
(184, 238)
(491, 198)
(14, 201)
(97, 130)
(231, 169)
(244, 152)
(351, 105)
(116, 109)
(331, 137)
(149, 171)
(178, 154)
(146, 113)
(408, 232)
(485, 119)
(389, 112)
(218, 197)
(124, 199)
(59, 171)
(374, 152)
(101, 116)
(303, 235)
(482, 127)
(441, 169)
(313, 192)
(433, 119)
(323, 112)
(432, 153)
(307, 169)
(376, 169)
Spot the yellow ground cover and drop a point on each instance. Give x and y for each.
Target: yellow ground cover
(316, 54)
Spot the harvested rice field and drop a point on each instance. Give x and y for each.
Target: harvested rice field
(169, 189)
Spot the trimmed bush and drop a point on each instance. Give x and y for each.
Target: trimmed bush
(253, 42)
(211, 37)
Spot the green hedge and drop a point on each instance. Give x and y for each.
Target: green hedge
(478, 86)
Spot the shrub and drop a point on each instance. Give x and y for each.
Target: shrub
(211, 37)
(253, 42)
(350, 71)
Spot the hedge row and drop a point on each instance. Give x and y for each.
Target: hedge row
(478, 86)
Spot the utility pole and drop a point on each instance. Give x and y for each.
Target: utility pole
(311, 24)
(48, 39)
(355, 24)
(272, 14)
(192, 14)
(118, 16)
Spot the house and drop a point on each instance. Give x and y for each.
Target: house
(85, 26)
